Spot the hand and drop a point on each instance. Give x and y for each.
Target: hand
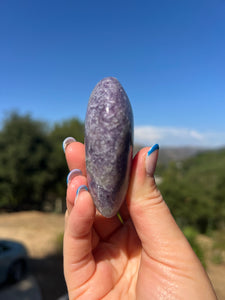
(147, 257)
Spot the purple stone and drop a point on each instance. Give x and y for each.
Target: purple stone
(108, 145)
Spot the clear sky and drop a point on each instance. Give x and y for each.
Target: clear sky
(169, 55)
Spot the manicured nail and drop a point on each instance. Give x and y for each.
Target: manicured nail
(151, 160)
(67, 141)
(81, 188)
(72, 174)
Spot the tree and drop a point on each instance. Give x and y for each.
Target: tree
(24, 154)
(57, 163)
(194, 190)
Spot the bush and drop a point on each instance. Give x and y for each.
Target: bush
(195, 191)
(191, 235)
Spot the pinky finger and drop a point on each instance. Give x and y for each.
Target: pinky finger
(78, 240)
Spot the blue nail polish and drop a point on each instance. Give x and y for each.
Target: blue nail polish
(72, 174)
(151, 160)
(67, 141)
(81, 188)
(155, 147)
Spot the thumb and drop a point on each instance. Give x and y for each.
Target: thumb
(168, 253)
(152, 219)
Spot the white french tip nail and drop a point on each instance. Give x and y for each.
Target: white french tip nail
(72, 174)
(68, 141)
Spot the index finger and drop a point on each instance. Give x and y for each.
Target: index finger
(75, 156)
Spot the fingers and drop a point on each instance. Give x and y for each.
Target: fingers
(75, 179)
(78, 238)
(76, 183)
(75, 154)
(165, 249)
(152, 219)
(106, 226)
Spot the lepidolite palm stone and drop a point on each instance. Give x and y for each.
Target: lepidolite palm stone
(108, 145)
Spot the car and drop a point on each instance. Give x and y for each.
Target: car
(13, 261)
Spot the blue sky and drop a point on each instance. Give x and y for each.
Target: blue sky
(169, 55)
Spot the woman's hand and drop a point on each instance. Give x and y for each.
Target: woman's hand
(147, 257)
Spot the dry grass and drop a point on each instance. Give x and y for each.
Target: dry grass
(41, 233)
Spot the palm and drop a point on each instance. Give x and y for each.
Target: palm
(104, 259)
(117, 266)
(118, 256)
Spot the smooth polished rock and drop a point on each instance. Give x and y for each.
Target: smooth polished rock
(108, 145)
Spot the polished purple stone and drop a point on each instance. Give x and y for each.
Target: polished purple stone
(108, 145)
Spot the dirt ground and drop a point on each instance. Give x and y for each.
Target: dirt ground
(216, 272)
(39, 232)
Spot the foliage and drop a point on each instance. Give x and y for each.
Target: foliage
(33, 173)
(32, 163)
(191, 235)
(219, 239)
(194, 190)
(57, 163)
(23, 162)
(218, 248)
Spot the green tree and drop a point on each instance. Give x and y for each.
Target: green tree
(24, 153)
(220, 201)
(57, 163)
(194, 190)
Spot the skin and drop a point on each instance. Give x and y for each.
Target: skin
(146, 258)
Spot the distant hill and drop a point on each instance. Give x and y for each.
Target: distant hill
(194, 188)
(178, 154)
(167, 154)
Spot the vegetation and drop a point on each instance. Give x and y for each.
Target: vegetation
(218, 247)
(195, 191)
(33, 172)
(191, 235)
(32, 163)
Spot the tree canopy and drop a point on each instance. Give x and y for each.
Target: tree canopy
(32, 162)
(194, 190)
(33, 173)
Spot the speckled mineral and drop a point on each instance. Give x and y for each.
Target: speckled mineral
(108, 145)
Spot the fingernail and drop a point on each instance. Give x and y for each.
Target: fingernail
(151, 160)
(81, 188)
(72, 174)
(67, 141)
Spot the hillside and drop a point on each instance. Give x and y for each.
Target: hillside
(167, 154)
(195, 191)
